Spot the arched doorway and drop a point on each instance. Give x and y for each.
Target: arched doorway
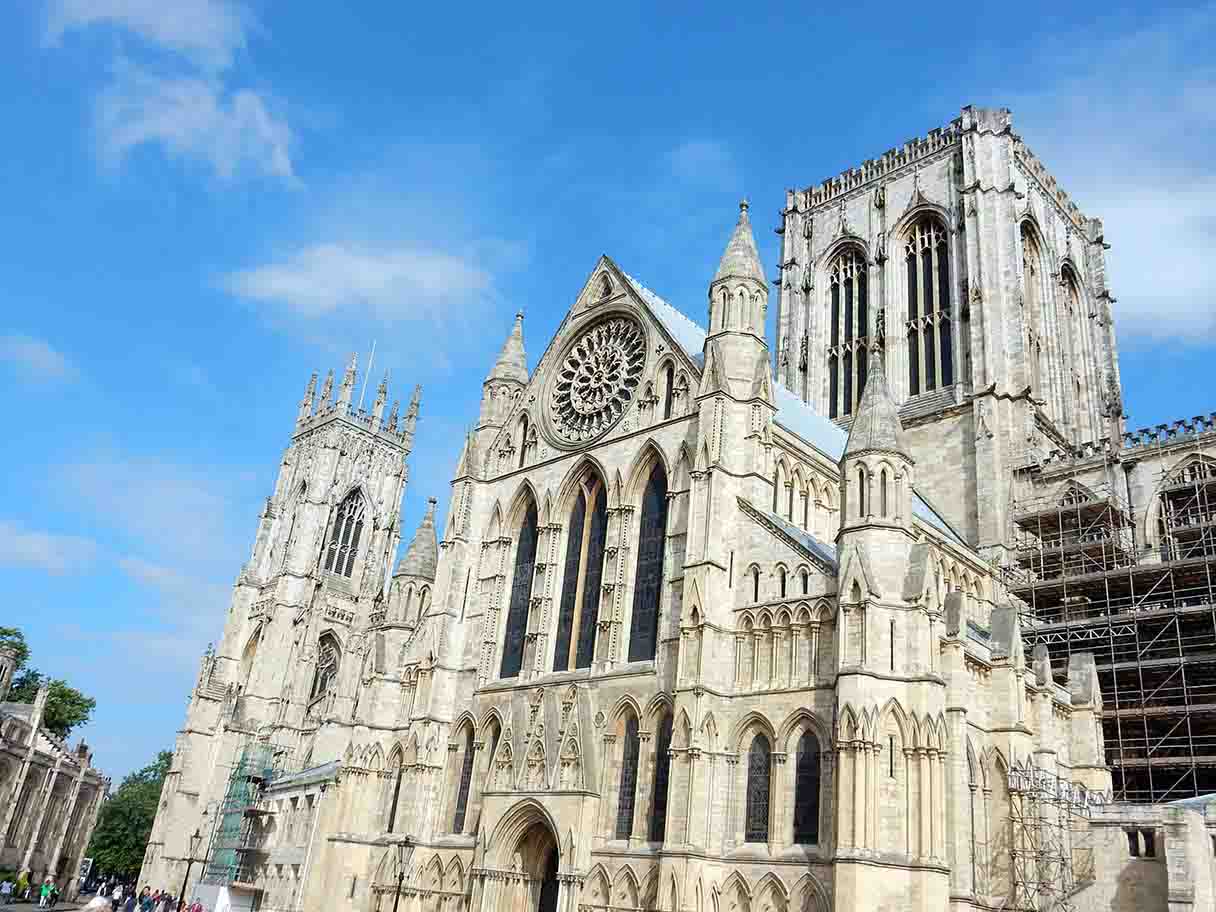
(538, 860)
(524, 854)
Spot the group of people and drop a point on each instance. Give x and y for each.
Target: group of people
(47, 893)
(124, 899)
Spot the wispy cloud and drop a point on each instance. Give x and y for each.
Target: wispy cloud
(181, 95)
(36, 358)
(23, 547)
(186, 600)
(182, 514)
(704, 161)
(409, 282)
(192, 117)
(1126, 121)
(209, 32)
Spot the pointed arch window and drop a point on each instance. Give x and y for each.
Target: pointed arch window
(466, 781)
(662, 776)
(578, 616)
(849, 331)
(344, 535)
(930, 344)
(648, 581)
(523, 439)
(521, 595)
(758, 769)
(392, 809)
(329, 658)
(627, 791)
(755, 584)
(669, 391)
(806, 790)
(1032, 262)
(781, 577)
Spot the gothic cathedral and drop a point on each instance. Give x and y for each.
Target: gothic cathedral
(694, 637)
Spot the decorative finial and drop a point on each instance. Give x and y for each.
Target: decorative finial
(744, 205)
(519, 315)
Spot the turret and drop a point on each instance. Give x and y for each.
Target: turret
(326, 392)
(876, 467)
(415, 574)
(738, 304)
(310, 393)
(503, 385)
(8, 668)
(381, 396)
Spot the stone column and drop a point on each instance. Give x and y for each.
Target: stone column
(40, 819)
(779, 817)
(844, 832)
(607, 829)
(643, 787)
(909, 816)
(82, 839)
(859, 795)
(814, 676)
(875, 780)
(735, 814)
(939, 805)
(690, 758)
(67, 819)
(925, 798)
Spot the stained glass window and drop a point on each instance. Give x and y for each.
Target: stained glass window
(648, 583)
(521, 595)
(466, 780)
(329, 656)
(669, 381)
(662, 774)
(806, 790)
(627, 793)
(344, 535)
(574, 645)
(565, 614)
(758, 769)
(392, 810)
(592, 577)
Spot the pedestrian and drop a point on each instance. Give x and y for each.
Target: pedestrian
(145, 900)
(116, 897)
(129, 905)
(6, 892)
(44, 894)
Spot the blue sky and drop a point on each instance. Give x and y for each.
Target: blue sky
(205, 200)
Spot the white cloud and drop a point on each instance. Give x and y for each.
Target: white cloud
(186, 600)
(209, 32)
(47, 551)
(1127, 122)
(184, 515)
(408, 282)
(36, 358)
(193, 117)
(704, 161)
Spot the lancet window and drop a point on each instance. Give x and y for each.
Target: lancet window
(392, 808)
(806, 790)
(930, 345)
(849, 331)
(758, 770)
(466, 781)
(1032, 267)
(344, 535)
(648, 581)
(521, 595)
(662, 775)
(329, 658)
(627, 791)
(579, 612)
(669, 382)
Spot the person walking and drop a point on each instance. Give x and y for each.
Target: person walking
(129, 905)
(116, 897)
(44, 894)
(6, 892)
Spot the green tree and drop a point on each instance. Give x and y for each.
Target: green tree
(11, 636)
(122, 831)
(66, 707)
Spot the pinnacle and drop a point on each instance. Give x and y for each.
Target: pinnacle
(741, 258)
(512, 363)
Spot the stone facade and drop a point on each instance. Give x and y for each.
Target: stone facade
(50, 794)
(684, 642)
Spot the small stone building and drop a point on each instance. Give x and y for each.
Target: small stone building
(50, 794)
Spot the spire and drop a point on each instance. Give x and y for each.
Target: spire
(741, 258)
(423, 554)
(381, 396)
(348, 380)
(310, 393)
(392, 415)
(512, 363)
(411, 413)
(876, 426)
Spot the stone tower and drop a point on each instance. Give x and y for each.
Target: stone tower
(8, 667)
(999, 334)
(290, 665)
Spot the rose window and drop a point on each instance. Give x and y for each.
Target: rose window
(596, 379)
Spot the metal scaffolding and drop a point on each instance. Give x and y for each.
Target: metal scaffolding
(1051, 853)
(1145, 608)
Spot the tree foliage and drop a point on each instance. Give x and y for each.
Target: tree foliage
(66, 707)
(11, 636)
(122, 831)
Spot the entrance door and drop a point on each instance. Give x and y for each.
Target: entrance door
(548, 886)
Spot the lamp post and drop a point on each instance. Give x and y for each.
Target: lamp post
(195, 840)
(405, 848)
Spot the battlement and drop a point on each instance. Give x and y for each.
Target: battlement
(1184, 429)
(912, 151)
(1092, 228)
(401, 435)
(316, 412)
